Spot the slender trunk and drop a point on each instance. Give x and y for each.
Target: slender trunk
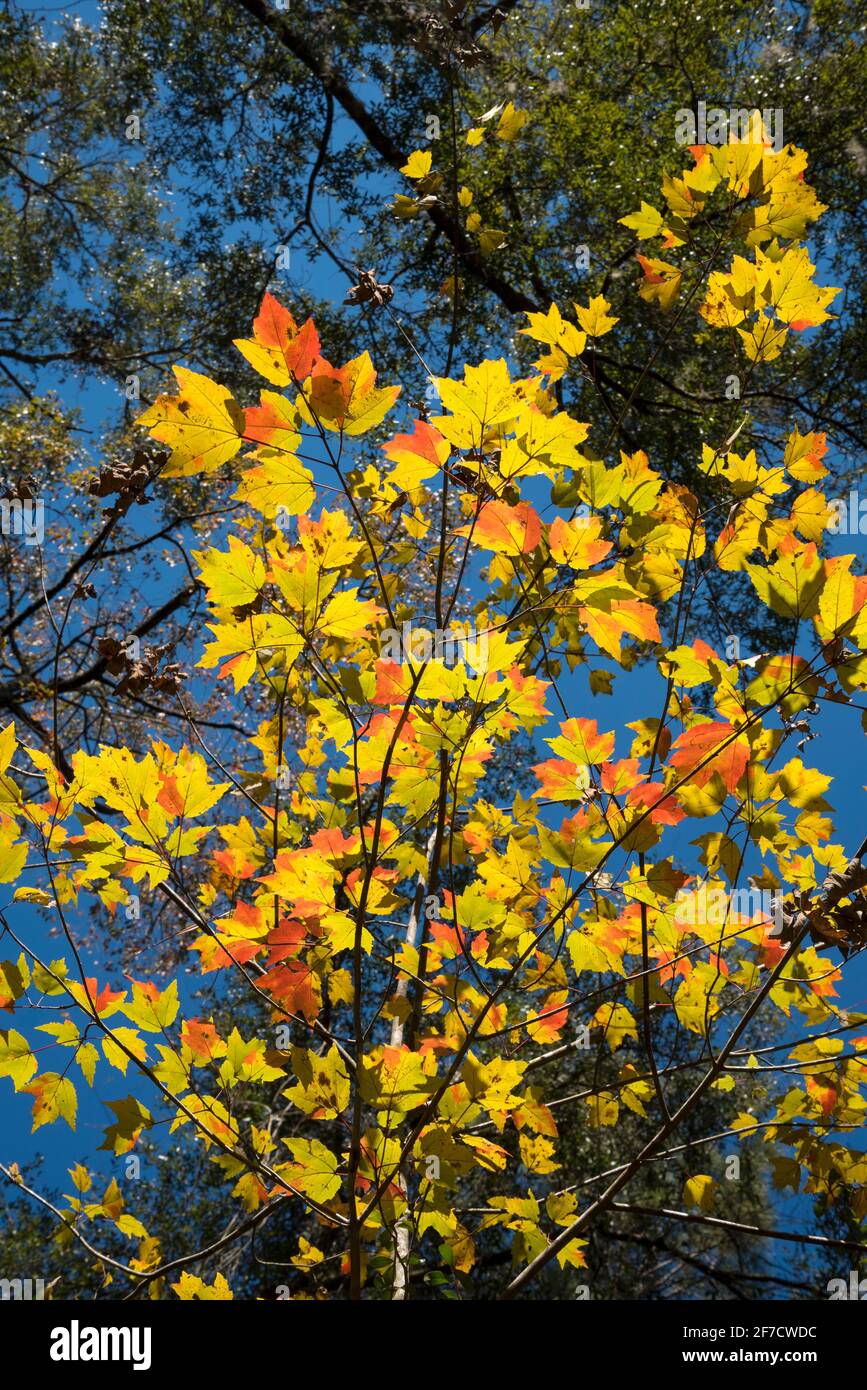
(402, 1233)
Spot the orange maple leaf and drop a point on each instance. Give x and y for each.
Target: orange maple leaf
(280, 350)
(693, 752)
(505, 530)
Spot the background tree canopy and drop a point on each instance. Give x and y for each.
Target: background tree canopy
(154, 165)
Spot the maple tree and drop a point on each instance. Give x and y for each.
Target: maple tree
(328, 101)
(430, 971)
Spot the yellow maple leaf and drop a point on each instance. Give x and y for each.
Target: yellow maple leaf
(346, 616)
(278, 485)
(233, 579)
(204, 425)
(512, 122)
(486, 397)
(595, 319)
(553, 329)
(661, 283)
(418, 164)
(698, 1191)
(645, 223)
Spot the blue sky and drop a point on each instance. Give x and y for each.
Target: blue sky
(837, 751)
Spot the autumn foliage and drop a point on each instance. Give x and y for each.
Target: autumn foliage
(420, 954)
